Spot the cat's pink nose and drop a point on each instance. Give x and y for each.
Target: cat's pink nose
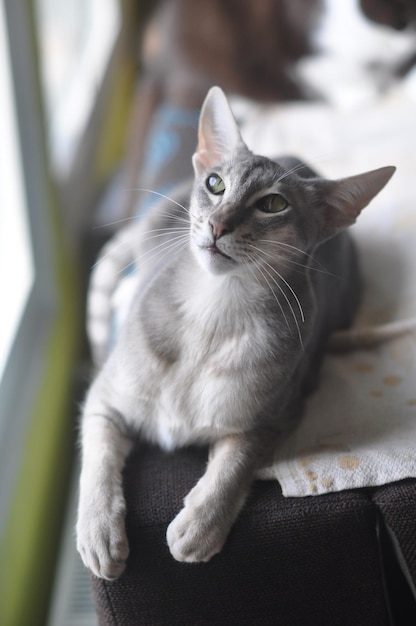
(218, 228)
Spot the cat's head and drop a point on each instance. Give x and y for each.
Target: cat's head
(250, 210)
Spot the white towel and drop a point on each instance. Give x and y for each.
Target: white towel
(359, 428)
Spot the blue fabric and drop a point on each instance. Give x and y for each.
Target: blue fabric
(168, 151)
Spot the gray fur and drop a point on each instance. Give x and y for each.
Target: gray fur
(223, 338)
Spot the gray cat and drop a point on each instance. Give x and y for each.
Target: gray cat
(224, 335)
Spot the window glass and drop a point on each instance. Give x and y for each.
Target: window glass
(16, 264)
(76, 39)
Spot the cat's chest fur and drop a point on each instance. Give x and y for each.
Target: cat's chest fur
(209, 357)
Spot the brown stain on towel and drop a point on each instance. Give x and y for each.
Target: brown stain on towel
(327, 483)
(376, 393)
(307, 460)
(312, 477)
(364, 367)
(348, 462)
(392, 381)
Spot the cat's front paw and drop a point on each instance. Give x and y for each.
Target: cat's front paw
(101, 536)
(194, 536)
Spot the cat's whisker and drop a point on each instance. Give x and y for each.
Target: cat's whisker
(301, 166)
(269, 269)
(281, 278)
(114, 222)
(125, 268)
(161, 195)
(295, 249)
(273, 269)
(125, 242)
(305, 266)
(286, 245)
(148, 252)
(296, 168)
(174, 217)
(248, 263)
(165, 245)
(187, 210)
(167, 230)
(260, 269)
(175, 246)
(169, 214)
(166, 233)
(135, 218)
(288, 263)
(169, 246)
(287, 300)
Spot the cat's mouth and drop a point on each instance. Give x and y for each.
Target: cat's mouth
(215, 250)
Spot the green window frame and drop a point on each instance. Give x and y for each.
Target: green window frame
(36, 430)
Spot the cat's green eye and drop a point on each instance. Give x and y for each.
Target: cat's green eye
(215, 184)
(275, 203)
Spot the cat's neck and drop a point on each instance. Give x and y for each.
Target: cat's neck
(203, 292)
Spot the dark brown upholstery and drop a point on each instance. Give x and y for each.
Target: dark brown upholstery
(287, 560)
(397, 503)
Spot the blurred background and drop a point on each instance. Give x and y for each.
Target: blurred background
(81, 85)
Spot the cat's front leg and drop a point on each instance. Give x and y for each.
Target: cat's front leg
(200, 529)
(101, 534)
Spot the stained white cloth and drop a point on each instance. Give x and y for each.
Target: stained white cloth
(359, 428)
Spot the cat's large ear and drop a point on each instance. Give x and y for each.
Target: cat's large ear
(218, 134)
(345, 198)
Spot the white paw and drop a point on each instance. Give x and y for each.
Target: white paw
(193, 536)
(101, 536)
